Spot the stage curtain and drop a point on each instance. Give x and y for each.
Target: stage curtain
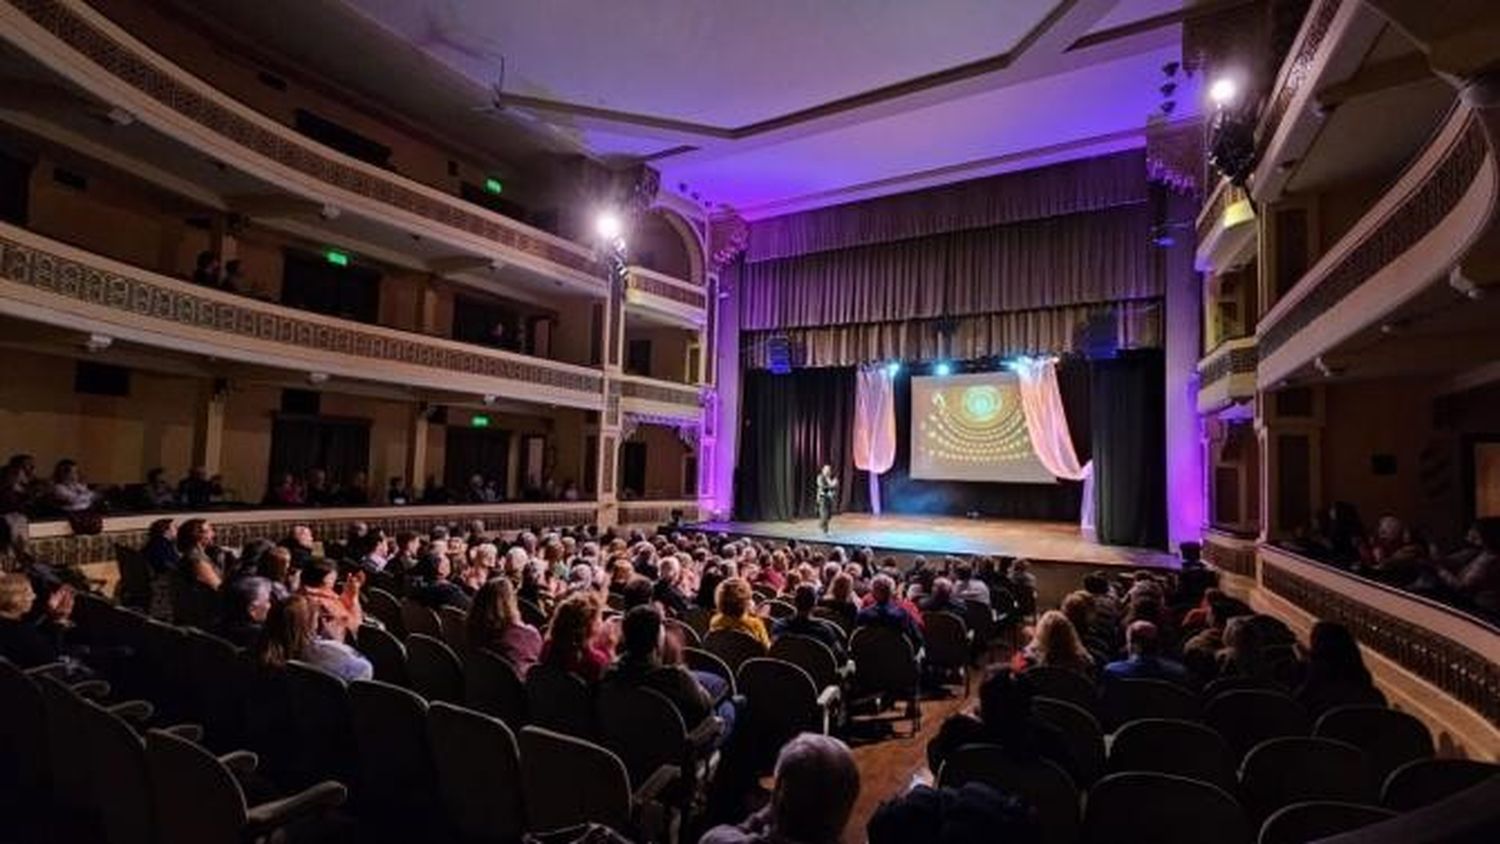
(1130, 476)
(1135, 324)
(1066, 188)
(1047, 425)
(1096, 257)
(792, 425)
(874, 427)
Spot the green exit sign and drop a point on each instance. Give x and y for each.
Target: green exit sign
(493, 186)
(479, 421)
(337, 258)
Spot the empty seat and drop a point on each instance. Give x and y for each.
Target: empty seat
(195, 798)
(733, 647)
(322, 726)
(1247, 717)
(647, 732)
(386, 654)
(709, 663)
(1064, 684)
(1283, 771)
(1040, 782)
(492, 686)
(885, 664)
(810, 655)
(385, 607)
(1082, 732)
(947, 645)
(396, 777)
(116, 767)
(1149, 808)
(779, 609)
(559, 701)
(1389, 738)
(435, 670)
(690, 637)
(455, 624)
(782, 701)
(1123, 701)
(418, 618)
(1426, 781)
(1315, 820)
(1235, 683)
(478, 773)
(217, 680)
(1181, 748)
(570, 781)
(24, 770)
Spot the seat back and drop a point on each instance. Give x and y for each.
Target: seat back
(810, 655)
(641, 726)
(571, 781)
(700, 660)
(1181, 748)
(884, 662)
(194, 797)
(455, 628)
(1426, 781)
(323, 725)
(1162, 809)
(733, 647)
(67, 745)
(1038, 781)
(980, 618)
(779, 609)
(947, 640)
(478, 773)
(435, 670)
(1283, 771)
(24, 754)
(396, 775)
(1388, 737)
(386, 654)
(532, 614)
(782, 702)
(690, 637)
(136, 577)
(386, 607)
(1247, 717)
(560, 701)
(419, 618)
(117, 769)
(1235, 683)
(1064, 684)
(217, 679)
(1123, 701)
(1082, 732)
(833, 617)
(1316, 820)
(492, 686)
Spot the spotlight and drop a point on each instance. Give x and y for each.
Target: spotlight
(943, 368)
(1224, 91)
(893, 368)
(609, 226)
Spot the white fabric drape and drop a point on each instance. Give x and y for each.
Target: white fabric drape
(874, 427)
(1047, 423)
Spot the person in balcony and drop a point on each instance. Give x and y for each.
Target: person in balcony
(196, 490)
(320, 491)
(287, 492)
(234, 279)
(157, 493)
(1471, 576)
(206, 269)
(1394, 554)
(356, 493)
(69, 493)
(397, 493)
(17, 483)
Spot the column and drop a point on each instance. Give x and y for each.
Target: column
(1182, 324)
(416, 447)
(208, 425)
(613, 344)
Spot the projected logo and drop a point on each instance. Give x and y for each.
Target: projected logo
(975, 425)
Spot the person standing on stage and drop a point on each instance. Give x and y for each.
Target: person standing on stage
(828, 488)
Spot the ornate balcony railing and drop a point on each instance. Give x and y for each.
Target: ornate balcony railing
(679, 301)
(649, 397)
(1227, 374)
(1230, 553)
(82, 45)
(49, 282)
(654, 513)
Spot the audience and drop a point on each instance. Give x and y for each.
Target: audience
(732, 602)
(1335, 673)
(295, 629)
(815, 788)
(495, 624)
(1004, 719)
(575, 642)
(884, 610)
(1144, 660)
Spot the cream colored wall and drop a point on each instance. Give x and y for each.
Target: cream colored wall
(115, 440)
(668, 350)
(664, 454)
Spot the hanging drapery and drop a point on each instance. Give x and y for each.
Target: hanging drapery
(1047, 424)
(874, 427)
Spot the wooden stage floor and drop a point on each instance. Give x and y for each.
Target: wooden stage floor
(1052, 542)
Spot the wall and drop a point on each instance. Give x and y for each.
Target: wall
(668, 350)
(115, 440)
(664, 454)
(1386, 417)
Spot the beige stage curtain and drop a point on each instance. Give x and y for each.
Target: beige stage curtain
(1133, 324)
(1100, 256)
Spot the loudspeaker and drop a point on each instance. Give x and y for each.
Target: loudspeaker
(1098, 338)
(779, 354)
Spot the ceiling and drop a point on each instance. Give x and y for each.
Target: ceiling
(766, 107)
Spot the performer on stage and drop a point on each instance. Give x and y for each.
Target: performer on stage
(828, 489)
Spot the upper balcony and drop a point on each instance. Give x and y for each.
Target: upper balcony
(652, 398)
(1226, 375)
(658, 298)
(169, 126)
(1226, 229)
(44, 281)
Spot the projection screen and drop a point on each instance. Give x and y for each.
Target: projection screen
(972, 428)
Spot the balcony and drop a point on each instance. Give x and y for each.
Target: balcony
(659, 298)
(653, 399)
(1226, 230)
(1226, 375)
(45, 281)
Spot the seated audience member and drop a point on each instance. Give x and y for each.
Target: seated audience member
(29, 638)
(234, 279)
(373, 551)
(356, 493)
(941, 598)
(292, 631)
(1201, 651)
(1021, 578)
(1473, 575)
(883, 610)
(206, 269)
(301, 544)
(68, 492)
(1257, 647)
(160, 550)
(247, 601)
(815, 788)
(286, 493)
(839, 599)
(157, 493)
(805, 598)
(1335, 673)
(732, 602)
(1144, 660)
(1395, 555)
(642, 664)
(967, 587)
(428, 583)
(667, 590)
(637, 593)
(319, 490)
(397, 493)
(17, 482)
(276, 566)
(1005, 719)
(1055, 643)
(1106, 605)
(495, 624)
(574, 642)
(197, 489)
(199, 561)
(338, 609)
(974, 813)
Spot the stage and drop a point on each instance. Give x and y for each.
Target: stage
(1042, 542)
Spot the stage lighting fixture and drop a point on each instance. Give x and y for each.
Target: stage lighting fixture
(609, 226)
(1224, 91)
(943, 368)
(893, 368)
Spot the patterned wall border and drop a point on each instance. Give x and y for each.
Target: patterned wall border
(656, 513)
(1239, 360)
(82, 550)
(1450, 665)
(1319, 22)
(284, 147)
(685, 395)
(1422, 211)
(657, 287)
(1235, 558)
(177, 302)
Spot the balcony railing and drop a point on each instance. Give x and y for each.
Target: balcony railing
(45, 281)
(1227, 374)
(82, 45)
(654, 513)
(1226, 229)
(683, 303)
(649, 397)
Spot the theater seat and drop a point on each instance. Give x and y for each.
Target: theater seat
(1169, 746)
(1312, 821)
(1284, 771)
(1388, 737)
(1426, 781)
(1149, 808)
(478, 773)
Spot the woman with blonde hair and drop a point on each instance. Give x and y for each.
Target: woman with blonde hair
(1056, 643)
(732, 600)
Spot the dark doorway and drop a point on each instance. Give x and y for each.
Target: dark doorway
(302, 443)
(476, 451)
(632, 470)
(313, 283)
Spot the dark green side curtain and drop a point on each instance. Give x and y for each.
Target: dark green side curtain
(791, 425)
(1127, 396)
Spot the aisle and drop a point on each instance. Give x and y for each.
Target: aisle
(886, 767)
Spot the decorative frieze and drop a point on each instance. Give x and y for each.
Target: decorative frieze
(1299, 67)
(684, 395)
(656, 512)
(1235, 360)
